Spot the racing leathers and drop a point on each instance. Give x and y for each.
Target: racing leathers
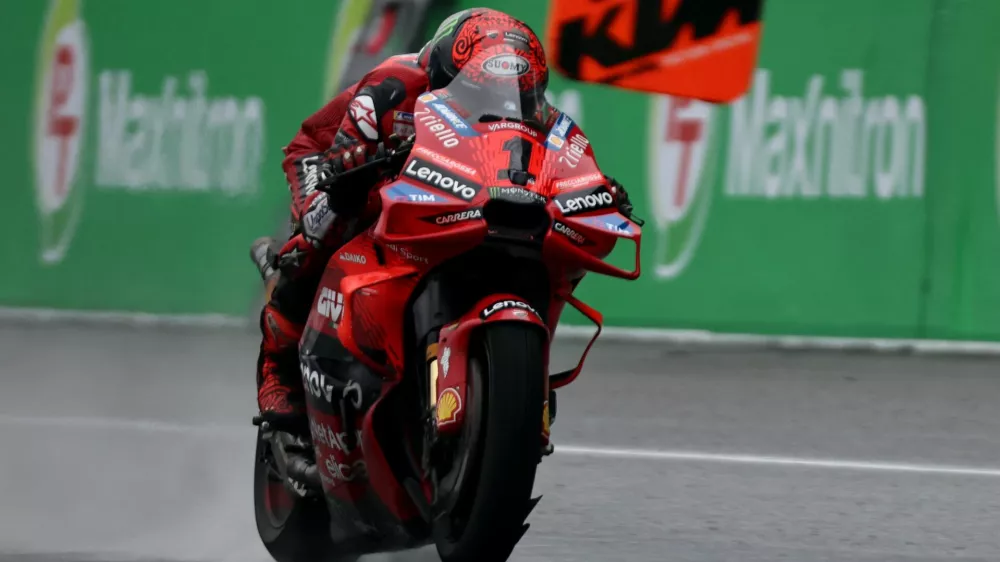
(338, 136)
(348, 129)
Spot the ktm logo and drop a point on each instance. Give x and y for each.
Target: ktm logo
(650, 31)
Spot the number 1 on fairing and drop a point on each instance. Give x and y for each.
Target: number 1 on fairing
(520, 156)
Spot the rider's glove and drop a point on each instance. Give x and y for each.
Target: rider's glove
(317, 221)
(343, 158)
(622, 200)
(347, 199)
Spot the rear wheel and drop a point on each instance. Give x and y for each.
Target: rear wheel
(506, 387)
(293, 529)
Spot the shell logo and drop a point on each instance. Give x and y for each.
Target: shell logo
(449, 404)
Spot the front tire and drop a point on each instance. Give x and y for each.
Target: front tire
(293, 529)
(506, 382)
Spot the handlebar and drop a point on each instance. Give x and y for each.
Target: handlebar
(384, 157)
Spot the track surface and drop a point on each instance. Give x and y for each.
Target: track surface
(82, 480)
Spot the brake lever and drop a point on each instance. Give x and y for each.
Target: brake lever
(627, 210)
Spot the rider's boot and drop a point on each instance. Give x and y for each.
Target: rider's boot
(281, 400)
(280, 394)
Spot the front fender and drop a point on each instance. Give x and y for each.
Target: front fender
(450, 382)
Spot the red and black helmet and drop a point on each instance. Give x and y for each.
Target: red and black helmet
(477, 35)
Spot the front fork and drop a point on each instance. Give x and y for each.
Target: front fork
(444, 398)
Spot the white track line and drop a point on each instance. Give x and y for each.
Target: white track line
(696, 456)
(127, 424)
(233, 431)
(610, 333)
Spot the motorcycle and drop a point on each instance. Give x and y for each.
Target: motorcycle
(444, 310)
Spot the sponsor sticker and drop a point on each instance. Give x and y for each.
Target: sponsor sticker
(316, 383)
(406, 254)
(343, 441)
(346, 472)
(402, 116)
(612, 222)
(580, 181)
(330, 305)
(506, 65)
(577, 147)
(460, 125)
(512, 126)
(439, 178)
(449, 404)
(354, 258)
(318, 219)
(516, 195)
(445, 161)
(401, 191)
(583, 201)
(435, 125)
(352, 393)
(307, 172)
(455, 217)
(403, 129)
(445, 361)
(557, 136)
(568, 232)
(505, 305)
(362, 110)
(516, 37)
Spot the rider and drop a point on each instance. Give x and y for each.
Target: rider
(341, 135)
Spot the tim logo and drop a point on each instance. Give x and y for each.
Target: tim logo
(330, 305)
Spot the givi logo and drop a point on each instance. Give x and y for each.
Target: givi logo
(60, 111)
(683, 160)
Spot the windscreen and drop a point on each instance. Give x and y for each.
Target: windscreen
(501, 82)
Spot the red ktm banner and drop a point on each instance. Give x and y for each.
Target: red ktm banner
(703, 49)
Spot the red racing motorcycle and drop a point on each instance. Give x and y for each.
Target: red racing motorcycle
(445, 309)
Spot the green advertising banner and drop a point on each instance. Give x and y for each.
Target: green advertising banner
(851, 192)
(963, 184)
(144, 147)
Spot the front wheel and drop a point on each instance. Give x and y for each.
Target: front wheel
(506, 399)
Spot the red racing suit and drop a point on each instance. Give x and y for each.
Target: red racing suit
(377, 106)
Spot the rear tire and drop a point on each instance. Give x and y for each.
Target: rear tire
(509, 366)
(293, 529)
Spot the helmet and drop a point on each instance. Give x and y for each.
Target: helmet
(471, 37)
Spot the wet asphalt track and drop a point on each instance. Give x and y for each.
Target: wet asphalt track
(80, 481)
